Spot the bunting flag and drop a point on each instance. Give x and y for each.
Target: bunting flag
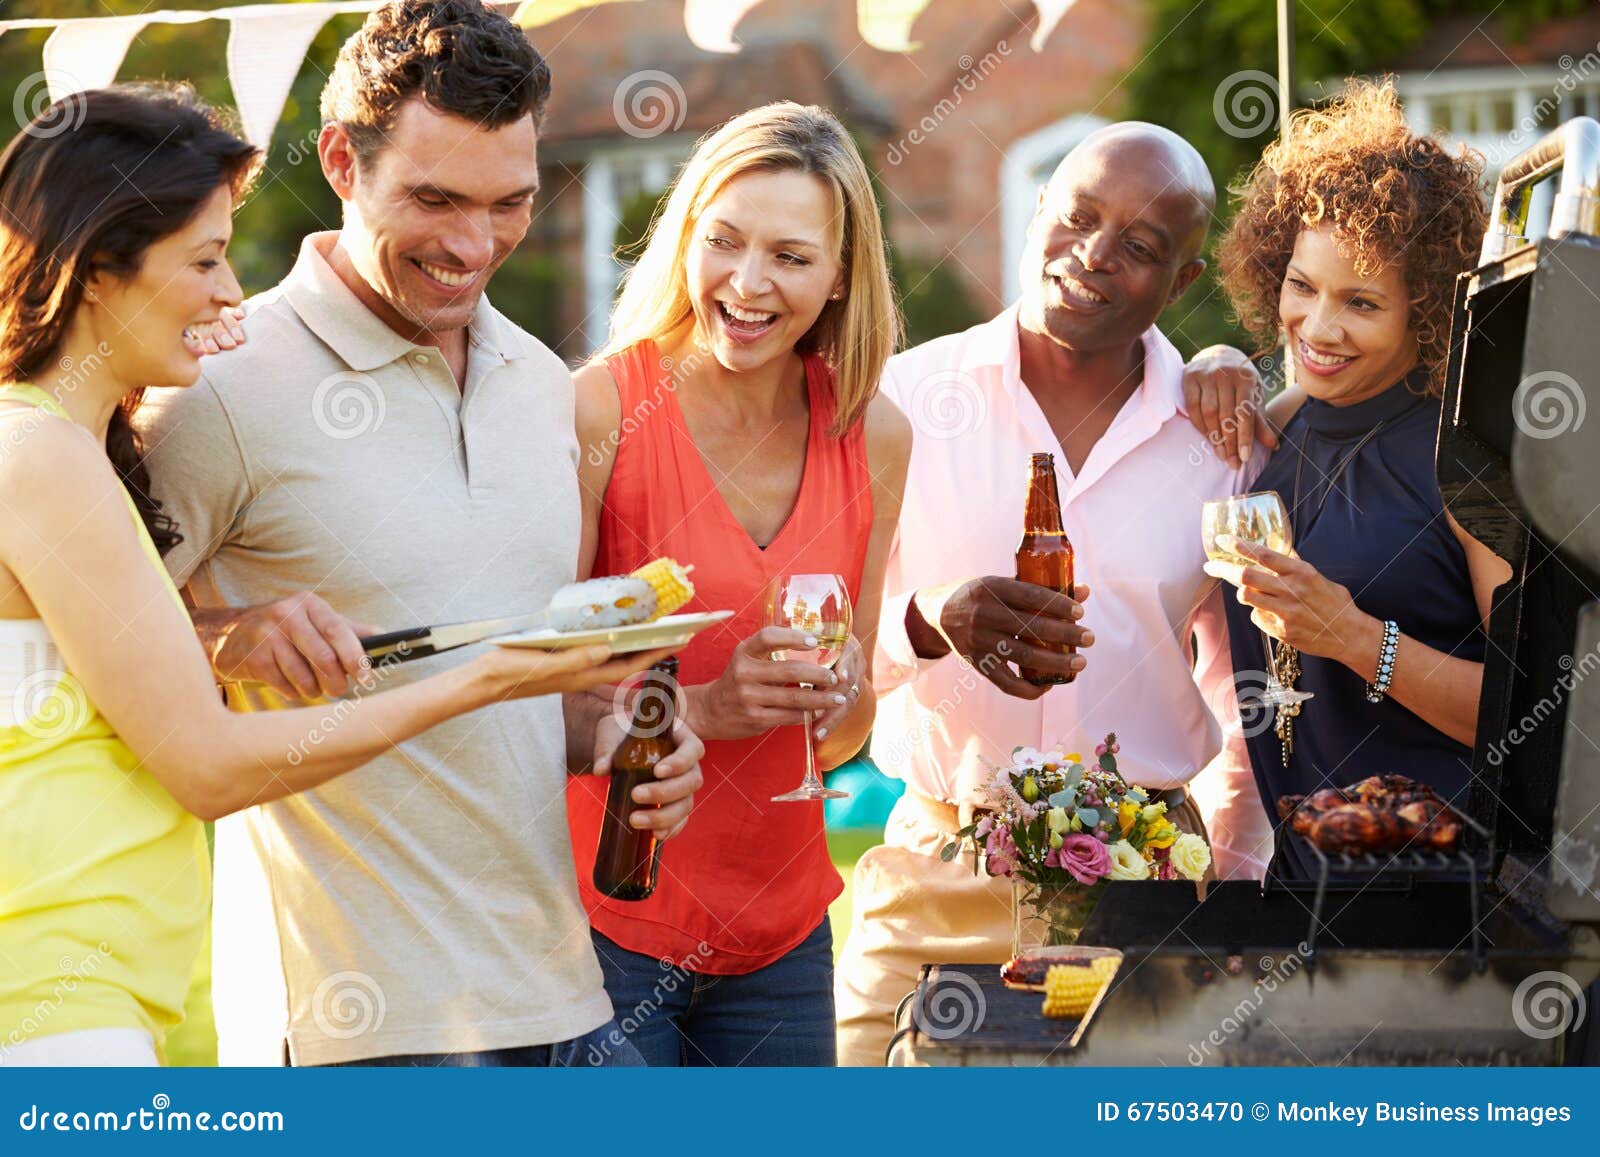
(1050, 14)
(534, 13)
(267, 43)
(886, 24)
(710, 23)
(266, 46)
(83, 54)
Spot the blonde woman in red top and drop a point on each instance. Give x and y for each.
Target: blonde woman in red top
(731, 422)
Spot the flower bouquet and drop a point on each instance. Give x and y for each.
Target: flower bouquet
(1060, 828)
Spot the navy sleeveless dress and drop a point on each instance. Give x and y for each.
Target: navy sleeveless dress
(1368, 515)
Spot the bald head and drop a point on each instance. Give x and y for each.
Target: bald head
(1116, 238)
(1159, 163)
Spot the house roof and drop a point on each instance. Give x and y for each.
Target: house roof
(1471, 40)
(715, 87)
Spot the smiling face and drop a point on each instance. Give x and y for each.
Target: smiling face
(148, 320)
(1350, 334)
(434, 212)
(1111, 244)
(762, 264)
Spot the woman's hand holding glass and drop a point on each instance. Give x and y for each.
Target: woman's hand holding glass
(1295, 604)
(756, 692)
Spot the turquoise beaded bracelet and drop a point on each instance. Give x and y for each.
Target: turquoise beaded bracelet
(1377, 689)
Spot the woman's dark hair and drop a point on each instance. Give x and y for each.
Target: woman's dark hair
(86, 187)
(456, 55)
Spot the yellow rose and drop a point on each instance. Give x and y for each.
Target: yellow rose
(1057, 819)
(1160, 834)
(1191, 856)
(1127, 863)
(1074, 757)
(1126, 814)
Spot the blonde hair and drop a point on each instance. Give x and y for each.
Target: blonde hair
(856, 334)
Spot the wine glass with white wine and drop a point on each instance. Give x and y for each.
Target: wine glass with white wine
(1259, 518)
(819, 605)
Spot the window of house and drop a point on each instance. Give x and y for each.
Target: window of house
(611, 178)
(1497, 111)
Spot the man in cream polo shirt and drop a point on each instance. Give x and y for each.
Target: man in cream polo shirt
(388, 440)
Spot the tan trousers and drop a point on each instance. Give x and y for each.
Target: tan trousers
(910, 908)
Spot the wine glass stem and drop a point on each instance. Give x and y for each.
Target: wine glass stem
(812, 780)
(1272, 662)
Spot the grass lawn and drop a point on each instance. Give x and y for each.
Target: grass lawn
(845, 846)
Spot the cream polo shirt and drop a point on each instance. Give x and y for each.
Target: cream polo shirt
(426, 902)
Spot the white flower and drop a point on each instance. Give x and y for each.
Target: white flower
(1191, 856)
(1127, 863)
(1030, 759)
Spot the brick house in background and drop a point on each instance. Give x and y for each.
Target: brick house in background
(960, 132)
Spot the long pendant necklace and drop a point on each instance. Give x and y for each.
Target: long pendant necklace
(1284, 658)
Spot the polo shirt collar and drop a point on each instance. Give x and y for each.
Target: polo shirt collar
(361, 339)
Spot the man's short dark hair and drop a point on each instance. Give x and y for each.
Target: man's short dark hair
(456, 54)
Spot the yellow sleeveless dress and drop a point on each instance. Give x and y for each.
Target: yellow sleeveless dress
(105, 883)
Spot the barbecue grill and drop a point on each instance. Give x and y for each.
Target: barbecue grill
(1479, 957)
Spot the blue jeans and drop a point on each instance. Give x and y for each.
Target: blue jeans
(778, 1015)
(595, 1048)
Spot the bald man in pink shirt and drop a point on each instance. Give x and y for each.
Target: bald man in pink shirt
(1076, 368)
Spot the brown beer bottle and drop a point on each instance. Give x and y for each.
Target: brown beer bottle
(629, 858)
(1044, 557)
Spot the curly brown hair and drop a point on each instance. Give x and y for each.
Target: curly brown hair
(1389, 193)
(456, 54)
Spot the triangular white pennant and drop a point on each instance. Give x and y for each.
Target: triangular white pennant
(86, 54)
(266, 47)
(1050, 14)
(710, 23)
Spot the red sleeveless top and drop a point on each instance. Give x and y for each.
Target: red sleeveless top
(747, 879)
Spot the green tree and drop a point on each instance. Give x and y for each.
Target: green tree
(1193, 81)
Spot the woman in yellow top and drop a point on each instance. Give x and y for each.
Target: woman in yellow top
(115, 215)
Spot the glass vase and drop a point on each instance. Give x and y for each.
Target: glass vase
(1050, 915)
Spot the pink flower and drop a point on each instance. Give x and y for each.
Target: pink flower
(1001, 852)
(985, 826)
(1084, 857)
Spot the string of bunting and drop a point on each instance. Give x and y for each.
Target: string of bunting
(267, 43)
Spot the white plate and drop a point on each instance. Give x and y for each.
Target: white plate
(669, 631)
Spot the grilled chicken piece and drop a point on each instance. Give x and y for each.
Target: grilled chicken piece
(1430, 825)
(1377, 788)
(1357, 828)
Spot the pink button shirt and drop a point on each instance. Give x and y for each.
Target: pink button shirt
(1133, 516)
